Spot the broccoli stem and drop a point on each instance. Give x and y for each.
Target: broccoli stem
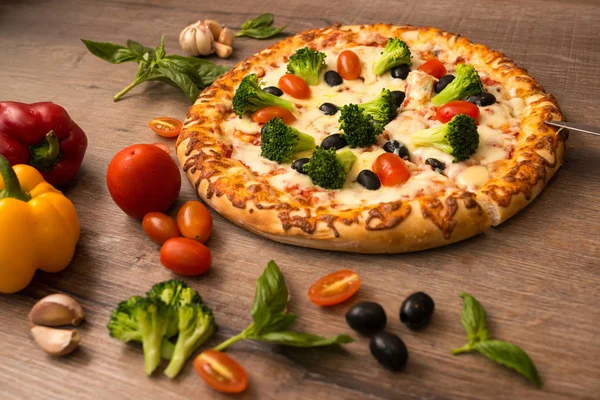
(434, 137)
(305, 142)
(166, 349)
(347, 158)
(151, 353)
(272, 100)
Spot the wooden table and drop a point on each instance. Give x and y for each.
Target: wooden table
(537, 275)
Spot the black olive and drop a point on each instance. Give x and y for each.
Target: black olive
(396, 147)
(333, 78)
(436, 164)
(368, 179)
(389, 350)
(399, 96)
(274, 90)
(482, 99)
(366, 317)
(401, 71)
(328, 109)
(298, 165)
(336, 141)
(416, 310)
(443, 82)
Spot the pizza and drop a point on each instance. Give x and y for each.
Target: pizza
(299, 143)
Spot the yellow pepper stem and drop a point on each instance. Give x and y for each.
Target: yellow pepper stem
(12, 187)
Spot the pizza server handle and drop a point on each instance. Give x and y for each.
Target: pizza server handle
(592, 130)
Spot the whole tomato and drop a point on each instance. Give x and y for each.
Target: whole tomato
(194, 221)
(143, 178)
(185, 256)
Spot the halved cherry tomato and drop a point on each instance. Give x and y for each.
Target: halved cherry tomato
(163, 147)
(434, 67)
(348, 65)
(264, 115)
(159, 227)
(294, 86)
(446, 112)
(194, 221)
(390, 169)
(185, 256)
(221, 372)
(334, 288)
(166, 127)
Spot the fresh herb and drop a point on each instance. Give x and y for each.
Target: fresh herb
(473, 320)
(190, 74)
(271, 321)
(260, 27)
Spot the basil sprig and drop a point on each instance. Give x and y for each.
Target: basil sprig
(190, 74)
(270, 319)
(260, 27)
(473, 319)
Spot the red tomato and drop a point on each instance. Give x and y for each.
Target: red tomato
(446, 112)
(159, 227)
(390, 169)
(166, 127)
(163, 147)
(348, 65)
(221, 372)
(185, 256)
(264, 115)
(143, 178)
(334, 288)
(434, 67)
(194, 221)
(294, 86)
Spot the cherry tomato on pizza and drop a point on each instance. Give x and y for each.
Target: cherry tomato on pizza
(391, 169)
(433, 67)
(348, 65)
(334, 288)
(221, 372)
(166, 127)
(446, 112)
(266, 114)
(294, 86)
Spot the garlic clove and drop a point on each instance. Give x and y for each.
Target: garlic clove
(214, 27)
(204, 40)
(56, 342)
(55, 310)
(222, 50)
(226, 37)
(196, 39)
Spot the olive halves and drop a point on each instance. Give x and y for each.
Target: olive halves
(400, 71)
(389, 350)
(332, 78)
(335, 141)
(397, 148)
(298, 165)
(366, 317)
(274, 90)
(416, 310)
(482, 99)
(328, 109)
(443, 82)
(369, 180)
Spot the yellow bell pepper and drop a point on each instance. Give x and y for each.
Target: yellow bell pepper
(39, 227)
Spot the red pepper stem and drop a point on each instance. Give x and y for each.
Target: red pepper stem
(44, 155)
(12, 186)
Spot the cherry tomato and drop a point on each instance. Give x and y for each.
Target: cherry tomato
(433, 67)
(143, 178)
(221, 372)
(348, 65)
(391, 169)
(163, 147)
(294, 86)
(264, 115)
(446, 112)
(159, 227)
(334, 288)
(194, 221)
(185, 256)
(166, 127)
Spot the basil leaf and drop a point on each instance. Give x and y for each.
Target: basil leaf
(160, 50)
(181, 80)
(139, 49)
(263, 32)
(301, 339)
(278, 323)
(511, 356)
(473, 319)
(202, 72)
(265, 19)
(113, 53)
(270, 297)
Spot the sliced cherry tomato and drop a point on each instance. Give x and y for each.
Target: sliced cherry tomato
(294, 86)
(334, 288)
(194, 221)
(221, 372)
(166, 127)
(264, 115)
(446, 112)
(390, 169)
(348, 65)
(433, 67)
(159, 227)
(163, 147)
(185, 256)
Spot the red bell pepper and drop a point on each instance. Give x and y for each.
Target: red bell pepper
(43, 136)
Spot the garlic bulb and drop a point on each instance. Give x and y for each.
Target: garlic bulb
(197, 40)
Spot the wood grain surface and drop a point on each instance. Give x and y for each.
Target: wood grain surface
(537, 275)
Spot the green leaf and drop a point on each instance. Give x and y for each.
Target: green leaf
(265, 19)
(160, 50)
(180, 79)
(202, 72)
(511, 356)
(113, 53)
(278, 323)
(473, 319)
(270, 297)
(139, 49)
(300, 339)
(263, 32)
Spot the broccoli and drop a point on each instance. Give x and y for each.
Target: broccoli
(307, 64)
(249, 97)
(328, 168)
(466, 83)
(174, 292)
(360, 130)
(280, 142)
(383, 109)
(459, 137)
(395, 53)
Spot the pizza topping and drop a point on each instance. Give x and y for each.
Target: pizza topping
(473, 177)
(466, 83)
(400, 71)
(335, 141)
(446, 112)
(458, 137)
(266, 114)
(399, 97)
(348, 65)
(328, 109)
(483, 99)
(360, 130)
(328, 168)
(397, 148)
(436, 165)
(368, 179)
(294, 86)
(434, 67)
(274, 90)
(332, 78)
(419, 86)
(279, 142)
(443, 82)
(299, 164)
(249, 97)
(391, 169)
(383, 109)
(307, 64)
(395, 53)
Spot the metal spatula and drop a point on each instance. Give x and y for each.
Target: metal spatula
(592, 130)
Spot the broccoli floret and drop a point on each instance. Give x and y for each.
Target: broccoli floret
(395, 53)
(459, 137)
(307, 64)
(328, 168)
(280, 142)
(466, 83)
(360, 130)
(383, 109)
(249, 97)
(174, 292)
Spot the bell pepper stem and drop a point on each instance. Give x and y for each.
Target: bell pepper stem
(12, 186)
(44, 155)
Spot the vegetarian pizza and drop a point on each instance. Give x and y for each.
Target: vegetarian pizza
(372, 138)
